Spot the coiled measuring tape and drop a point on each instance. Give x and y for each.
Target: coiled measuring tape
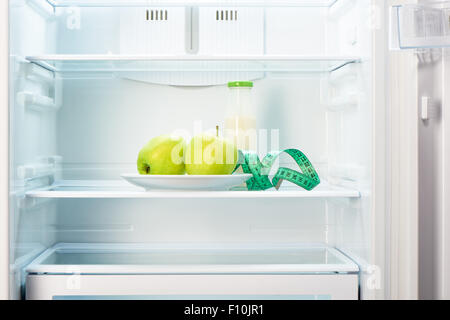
(307, 178)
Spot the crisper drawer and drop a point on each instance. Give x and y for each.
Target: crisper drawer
(193, 287)
(180, 271)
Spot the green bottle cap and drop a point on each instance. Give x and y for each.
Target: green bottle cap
(240, 84)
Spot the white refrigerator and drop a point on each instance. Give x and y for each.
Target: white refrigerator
(358, 86)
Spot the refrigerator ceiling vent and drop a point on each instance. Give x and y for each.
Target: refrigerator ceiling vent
(152, 15)
(226, 15)
(193, 32)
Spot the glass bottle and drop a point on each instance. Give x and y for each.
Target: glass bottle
(240, 121)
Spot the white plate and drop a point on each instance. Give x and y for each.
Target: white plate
(186, 182)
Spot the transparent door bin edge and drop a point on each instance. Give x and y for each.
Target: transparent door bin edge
(184, 258)
(199, 3)
(420, 26)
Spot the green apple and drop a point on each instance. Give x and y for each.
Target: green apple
(207, 154)
(163, 155)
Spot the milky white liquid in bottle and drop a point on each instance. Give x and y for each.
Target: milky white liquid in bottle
(240, 122)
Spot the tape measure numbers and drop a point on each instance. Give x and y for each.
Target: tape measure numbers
(307, 178)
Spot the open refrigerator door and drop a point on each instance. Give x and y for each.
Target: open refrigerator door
(420, 40)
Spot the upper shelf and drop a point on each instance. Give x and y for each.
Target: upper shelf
(420, 26)
(198, 3)
(194, 63)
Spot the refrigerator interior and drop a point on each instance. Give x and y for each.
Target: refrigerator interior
(92, 81)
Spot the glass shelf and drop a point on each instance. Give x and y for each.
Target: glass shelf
(198, 3)
(420, 26)
(191, 258)
(122, 190)
(144, 64)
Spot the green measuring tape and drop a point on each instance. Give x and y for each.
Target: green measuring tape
(307, 178)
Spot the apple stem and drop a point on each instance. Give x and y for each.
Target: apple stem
(217, 131)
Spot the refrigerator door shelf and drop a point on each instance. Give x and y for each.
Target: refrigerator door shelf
(125, 259)
(420, 26)
(193, 3)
